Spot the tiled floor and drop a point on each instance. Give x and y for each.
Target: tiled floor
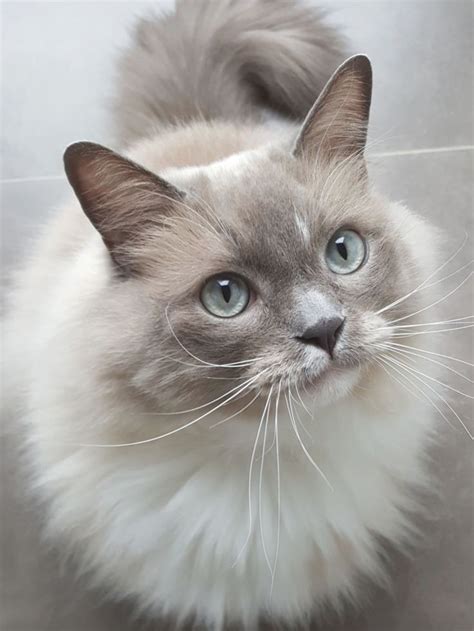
(57, 64)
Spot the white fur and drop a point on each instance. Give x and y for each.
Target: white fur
(303, 229)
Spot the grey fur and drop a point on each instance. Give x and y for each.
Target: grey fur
(222, 60)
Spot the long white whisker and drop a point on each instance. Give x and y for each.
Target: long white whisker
(185, 426)
(422, 350)
(413, 333)
(306, 452)
(204, 405)
(428, 359)
(268, 450)
(383, 361)
(433, 304)
(277, 547)
(238, 364)
(302, 402)
(437, 394)
(237, 413)
(260, 495)
(298, 417)
(423, 284)
(190, 365)
(440, 383)
(383, 364)
(252, 458)
(411, 326)
(448, 276)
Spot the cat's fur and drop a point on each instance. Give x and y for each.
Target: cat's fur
(108, 342)
(225, 60)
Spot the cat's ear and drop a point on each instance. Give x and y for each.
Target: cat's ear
(121, 199)
(336, 126)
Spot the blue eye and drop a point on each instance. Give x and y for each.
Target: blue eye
(225, 296)
(346, 252)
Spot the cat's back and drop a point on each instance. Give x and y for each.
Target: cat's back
(201, 143)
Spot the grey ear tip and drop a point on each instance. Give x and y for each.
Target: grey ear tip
(79, 147)
(360, 59)
(72, 150)
(361, 62)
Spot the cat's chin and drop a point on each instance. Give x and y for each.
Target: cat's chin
(322, 387)
(330, 385)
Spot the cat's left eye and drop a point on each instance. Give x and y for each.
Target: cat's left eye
(225, 296)
(346, 252)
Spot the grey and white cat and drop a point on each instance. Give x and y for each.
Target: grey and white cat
(196, 340)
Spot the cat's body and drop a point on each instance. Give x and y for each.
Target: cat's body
(100, 356)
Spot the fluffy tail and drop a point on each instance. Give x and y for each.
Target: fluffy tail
(224, 59)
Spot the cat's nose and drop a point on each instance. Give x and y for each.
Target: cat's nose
(324, 334)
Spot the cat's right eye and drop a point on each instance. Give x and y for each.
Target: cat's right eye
(225, 295)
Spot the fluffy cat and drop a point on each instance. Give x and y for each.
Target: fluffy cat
(196, 341)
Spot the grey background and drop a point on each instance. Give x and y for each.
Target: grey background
(57, 67)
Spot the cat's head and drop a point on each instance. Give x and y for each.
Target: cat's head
(275, 268)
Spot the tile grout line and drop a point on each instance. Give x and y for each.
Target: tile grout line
(32, 178)
(418, 152)
(383, 154)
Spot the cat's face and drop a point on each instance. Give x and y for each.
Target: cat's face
(279, 283)
(266, 270)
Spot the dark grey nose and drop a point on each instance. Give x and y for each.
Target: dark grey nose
(324, 334)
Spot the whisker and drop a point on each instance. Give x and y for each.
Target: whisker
(252, 458)
(277, 546)
(298, 417)
(448, 276)
(411, 326)
(237, 413)
(412, 334)
(437, 394)
(190, 365)
(260, 495)
(307, 454)
(422, 350)
(204, 405)
(383, 362)
(302, 402)
(433, 304)
(179, 429)
(428, 359)
(423, 284)
(268, 450)
(238, 364)
(440, 383)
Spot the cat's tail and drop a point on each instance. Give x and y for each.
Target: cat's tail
(224, 59)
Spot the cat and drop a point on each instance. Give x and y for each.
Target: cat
(196, 341)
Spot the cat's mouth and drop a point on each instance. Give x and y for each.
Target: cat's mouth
(326, 379)
(309, 378)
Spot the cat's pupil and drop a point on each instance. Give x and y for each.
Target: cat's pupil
(341, 248)
(226, 290)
